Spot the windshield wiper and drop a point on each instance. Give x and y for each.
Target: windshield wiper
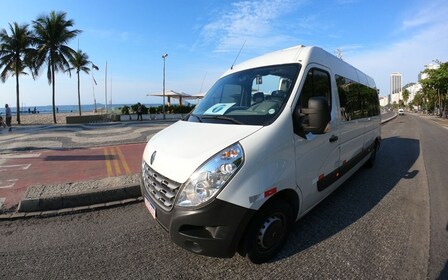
(197, 117)
(218, 117)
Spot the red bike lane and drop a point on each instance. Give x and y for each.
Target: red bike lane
(19, 171)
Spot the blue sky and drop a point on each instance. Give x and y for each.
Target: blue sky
(203, 37)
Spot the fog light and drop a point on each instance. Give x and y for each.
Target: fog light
(193, 246)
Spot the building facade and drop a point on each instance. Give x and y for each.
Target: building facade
(413, 88)
(422, 75)
(395, 83)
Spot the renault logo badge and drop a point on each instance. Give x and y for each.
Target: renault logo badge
(153, 157)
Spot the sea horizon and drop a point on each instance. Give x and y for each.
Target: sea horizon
(48, 109)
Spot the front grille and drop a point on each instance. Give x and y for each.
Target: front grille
(161, 189)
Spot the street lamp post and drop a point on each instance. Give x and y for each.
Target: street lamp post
(163, 107)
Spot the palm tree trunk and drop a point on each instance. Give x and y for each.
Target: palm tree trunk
(18, 101)
(53, 87)
(79, 96)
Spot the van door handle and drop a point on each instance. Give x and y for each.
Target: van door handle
(333, 138)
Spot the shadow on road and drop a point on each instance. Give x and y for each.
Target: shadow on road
(356, 197)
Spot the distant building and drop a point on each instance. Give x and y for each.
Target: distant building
(395, 83)
(413, 88)
(384, 100)
(395, 98)
(396, 90)
(422, 76)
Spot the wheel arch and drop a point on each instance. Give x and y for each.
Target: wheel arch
(288, 196)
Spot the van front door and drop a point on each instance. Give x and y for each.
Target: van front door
(316, 155)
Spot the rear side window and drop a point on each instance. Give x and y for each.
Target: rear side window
(357, 100)
(317, 83)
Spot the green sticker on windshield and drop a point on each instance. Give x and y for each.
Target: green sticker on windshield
(218, 109)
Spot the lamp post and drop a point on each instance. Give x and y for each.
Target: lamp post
(93, 86)
(163, 107)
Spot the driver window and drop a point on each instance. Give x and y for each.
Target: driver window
(317, 83)
(229, 94)
(268, 86)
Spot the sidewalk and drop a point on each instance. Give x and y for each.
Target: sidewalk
(54, 169)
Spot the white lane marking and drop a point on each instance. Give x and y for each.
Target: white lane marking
(2, 200)
(15, 167)
(34, 155)
(10, 182)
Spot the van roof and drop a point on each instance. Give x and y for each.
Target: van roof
(306, 55)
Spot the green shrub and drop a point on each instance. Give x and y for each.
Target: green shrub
(135, 106)
(177, 109)
(125, 110)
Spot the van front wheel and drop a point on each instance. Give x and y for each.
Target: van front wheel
(268, 231)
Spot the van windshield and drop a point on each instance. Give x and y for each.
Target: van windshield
(250, 97)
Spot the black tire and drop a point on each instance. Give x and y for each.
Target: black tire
(371, 161)
(268, 231)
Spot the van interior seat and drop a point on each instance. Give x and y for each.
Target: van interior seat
(258, 97)
(281, 94)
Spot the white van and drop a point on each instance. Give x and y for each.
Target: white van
(272, 138)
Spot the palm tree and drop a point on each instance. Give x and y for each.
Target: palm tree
(52, 34)
(78, 61)
(15, 55)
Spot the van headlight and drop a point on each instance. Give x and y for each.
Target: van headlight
(211, 177)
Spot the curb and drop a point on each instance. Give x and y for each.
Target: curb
(79, 199)
(389, 119)
(52, 213)
(109, 192)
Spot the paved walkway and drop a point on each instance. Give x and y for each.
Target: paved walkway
(51, 160)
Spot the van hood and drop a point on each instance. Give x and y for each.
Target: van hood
(181, 148)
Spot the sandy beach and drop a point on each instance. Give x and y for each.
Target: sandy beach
(36, 119)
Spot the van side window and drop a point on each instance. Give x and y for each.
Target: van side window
(317, 83)
(356, 100)
(348, 99)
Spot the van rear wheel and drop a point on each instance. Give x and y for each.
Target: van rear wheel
(268, 231)
(371, 161)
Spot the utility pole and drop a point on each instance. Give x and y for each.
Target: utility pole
(105, 90)
(163, 107)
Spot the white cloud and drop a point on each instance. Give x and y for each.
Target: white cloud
(407, 56)
(429, 13)
(253, 22)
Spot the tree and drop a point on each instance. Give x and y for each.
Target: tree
(394, 105)
(436, 84)
(406, 94)
(418, 101)
(79, 62)
(52, 34)
(16, 54)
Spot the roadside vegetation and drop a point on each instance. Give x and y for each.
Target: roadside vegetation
(173, 109)
(43, 45)
(26, 49)
(433, 97)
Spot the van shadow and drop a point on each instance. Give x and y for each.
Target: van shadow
(356, 197)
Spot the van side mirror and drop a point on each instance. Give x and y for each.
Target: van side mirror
(316, 117)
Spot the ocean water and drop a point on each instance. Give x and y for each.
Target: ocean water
(67, 108)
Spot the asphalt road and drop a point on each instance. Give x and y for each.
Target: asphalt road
(434, 149)
(383, 223)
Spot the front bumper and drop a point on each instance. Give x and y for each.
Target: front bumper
(213, 230)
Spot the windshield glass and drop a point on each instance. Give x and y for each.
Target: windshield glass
(250, 97)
